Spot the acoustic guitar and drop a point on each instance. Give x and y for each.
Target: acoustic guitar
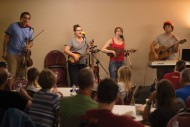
(163, 52)
(118, 51)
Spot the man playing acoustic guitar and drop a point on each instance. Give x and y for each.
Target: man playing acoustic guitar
(166, 39)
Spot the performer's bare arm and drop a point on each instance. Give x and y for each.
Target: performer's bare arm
(152, 48)
(68, 52)
(105, 50)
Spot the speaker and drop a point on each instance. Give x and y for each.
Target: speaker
(142, 93)
(185, 55)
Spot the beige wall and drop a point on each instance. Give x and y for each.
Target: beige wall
(141, 20)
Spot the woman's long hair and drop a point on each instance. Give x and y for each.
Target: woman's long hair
(165, 94)
(124, 75)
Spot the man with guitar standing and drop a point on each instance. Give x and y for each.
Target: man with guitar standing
(76, 49)
(169, 43)
(115, 48)
(18, 37)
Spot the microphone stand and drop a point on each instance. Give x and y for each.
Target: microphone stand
(84, 38)
(128, 58)
(98, 62)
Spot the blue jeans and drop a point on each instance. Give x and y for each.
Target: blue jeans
(113, 67)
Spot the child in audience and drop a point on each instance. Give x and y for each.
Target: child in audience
(32, 85)
(45, 104)
(124, 81)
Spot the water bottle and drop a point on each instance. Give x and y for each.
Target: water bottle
(18, 86)
(73, 92)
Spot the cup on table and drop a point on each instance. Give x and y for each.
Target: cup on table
(139, 109)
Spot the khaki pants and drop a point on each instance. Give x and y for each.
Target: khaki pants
(16, 65)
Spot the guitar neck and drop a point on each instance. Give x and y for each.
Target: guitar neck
(180, 42)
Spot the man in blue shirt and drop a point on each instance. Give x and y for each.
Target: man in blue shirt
(184, 91)
(18, 36)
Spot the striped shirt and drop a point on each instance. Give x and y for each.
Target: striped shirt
(44, 107)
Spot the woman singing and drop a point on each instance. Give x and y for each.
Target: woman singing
(114, 48)
(76, 48)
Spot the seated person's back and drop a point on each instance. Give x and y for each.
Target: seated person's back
(166, 104)
(174, 77)
(184, 91)
(76, 106)
(45, 104)
(9, 98)
(32, 86)
(103, 116)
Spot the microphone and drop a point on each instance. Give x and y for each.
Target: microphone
(28, 26)
(121, 36)
(83, 33)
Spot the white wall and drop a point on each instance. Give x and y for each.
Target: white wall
(141, 20)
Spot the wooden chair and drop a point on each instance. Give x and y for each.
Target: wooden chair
(187, 103)
(129, 96)
(119, 101)
(56, 61)
(180, 120)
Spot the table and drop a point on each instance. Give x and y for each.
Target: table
(126, 109)
(65, 91)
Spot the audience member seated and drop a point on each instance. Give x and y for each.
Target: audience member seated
(124, 81)
(32, 85)
(102, 116)
(184, 91)
(71, 108)
(8, 86)
(9, 98)
(14, 117)
(166, 105)
(45, 105)
(174, 77)
(187, 103)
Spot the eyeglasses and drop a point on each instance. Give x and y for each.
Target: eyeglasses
(26, 18)
(78, 30)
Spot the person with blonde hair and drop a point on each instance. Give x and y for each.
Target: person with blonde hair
(124, 81)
